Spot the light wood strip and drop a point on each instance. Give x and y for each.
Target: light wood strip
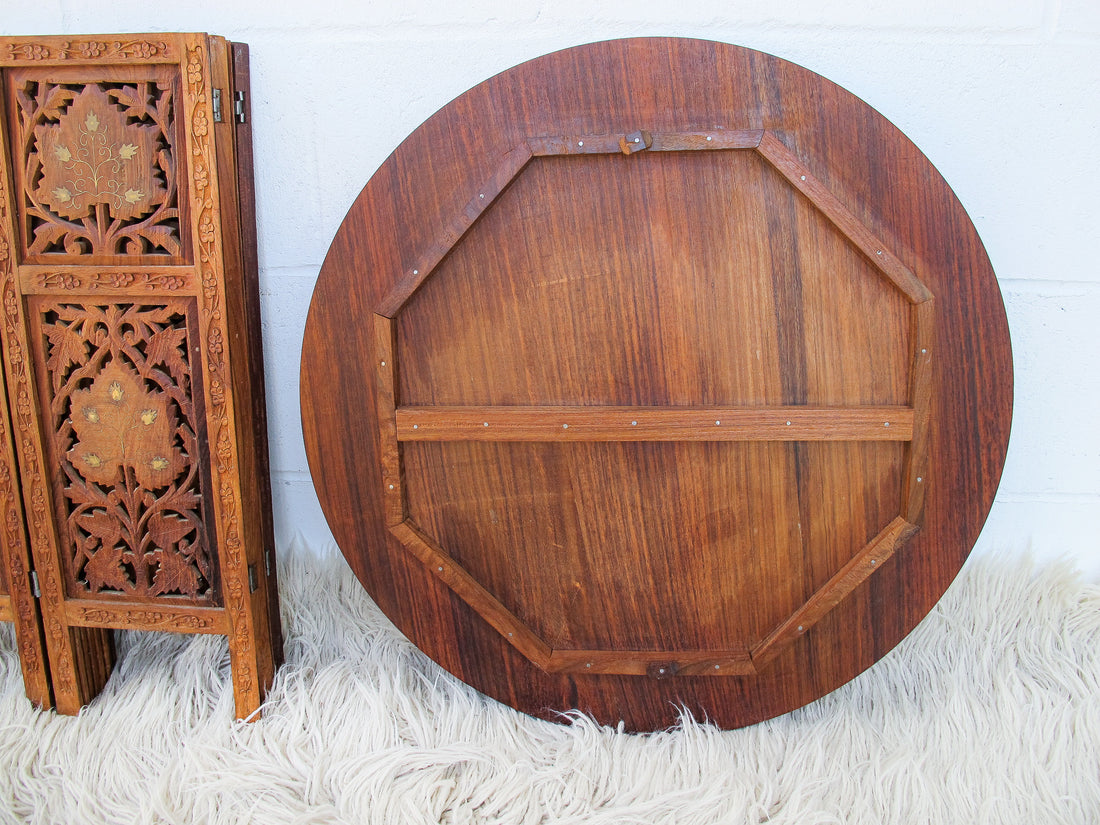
(862, 565)
(656, 663)
(158, 616)
(661, 142)
(796, 423)
(788, 165)
(484, 603)
(410, 280)
(385, 368)
(915, 482)
(6, 614)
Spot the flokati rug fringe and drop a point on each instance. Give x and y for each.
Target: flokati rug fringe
(988, 713)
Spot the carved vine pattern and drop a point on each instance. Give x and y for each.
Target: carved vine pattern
(144, 619)
(87, 50)
(61, 671)
(125, 442)
(224, 453)
(113, 280)
(14, 539)
(99, 169)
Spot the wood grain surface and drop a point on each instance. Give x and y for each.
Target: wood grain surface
(678, 361)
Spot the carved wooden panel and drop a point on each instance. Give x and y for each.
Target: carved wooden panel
(132, 350)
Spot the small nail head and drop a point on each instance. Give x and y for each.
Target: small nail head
(923, 352)
(633, 423)
(440, 569)
(639, 140)
(416, 272)
(391, 486)
(919, 479)
(565, 426)
(383, 363)
(800, 628)
(885, 423)
(788, 423)
(803, 177)
(484, 423)
(662, 670)
(716, 423)
(416, 426)
(878, 251)
(873, 562)
(588, 665)
(481, 196)
(716, 667)
(580, 143)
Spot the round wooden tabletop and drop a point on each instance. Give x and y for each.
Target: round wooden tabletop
(656, 374)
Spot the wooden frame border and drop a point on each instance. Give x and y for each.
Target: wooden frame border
(908, 423)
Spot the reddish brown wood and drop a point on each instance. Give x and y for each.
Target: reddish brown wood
(132, 350)
(607, 278)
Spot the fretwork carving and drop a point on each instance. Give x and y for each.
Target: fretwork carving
(97, 168)
(121, 400)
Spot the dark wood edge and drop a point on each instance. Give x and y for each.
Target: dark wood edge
(834, 591)
(617, 144)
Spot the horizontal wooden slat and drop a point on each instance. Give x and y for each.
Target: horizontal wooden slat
(655, 663)
(160, 616)
(661, 142)
(834, 591)
(654, 423)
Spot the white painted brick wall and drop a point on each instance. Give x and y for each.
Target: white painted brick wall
(1002, 95)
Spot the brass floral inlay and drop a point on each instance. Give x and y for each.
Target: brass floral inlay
(93, 156)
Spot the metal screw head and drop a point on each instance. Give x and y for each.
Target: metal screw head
(800, 628)
(716, 423)
(885, 423)
(639, 140)
(709, 138)
(416, 426)
(878, 251)
(919, 479)
(391, 486)
(484, 423)
(873, 562)
(788, 423)
(662, 670)
(481, 196)
(588, 665)
(716, 667)
(633, 423)
(924, 352)
(383, 363)
(803, 177)
(416, 272)
(440, 569)
(580, 143)
(565, 426)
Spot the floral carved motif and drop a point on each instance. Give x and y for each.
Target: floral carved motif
(98, 169)
(125, 444)
(150, 281)
(87, 50)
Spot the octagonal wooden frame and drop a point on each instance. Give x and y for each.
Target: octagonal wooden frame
(904, 423)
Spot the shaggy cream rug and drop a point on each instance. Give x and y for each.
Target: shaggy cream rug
(988, 713)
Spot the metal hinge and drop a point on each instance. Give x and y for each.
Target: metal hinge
(267, 562)
(36, 591)
(216, 96)
(252, 583)
(238, 107)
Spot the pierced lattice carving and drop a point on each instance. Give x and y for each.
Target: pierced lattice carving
(120, 395)
(98, 173)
